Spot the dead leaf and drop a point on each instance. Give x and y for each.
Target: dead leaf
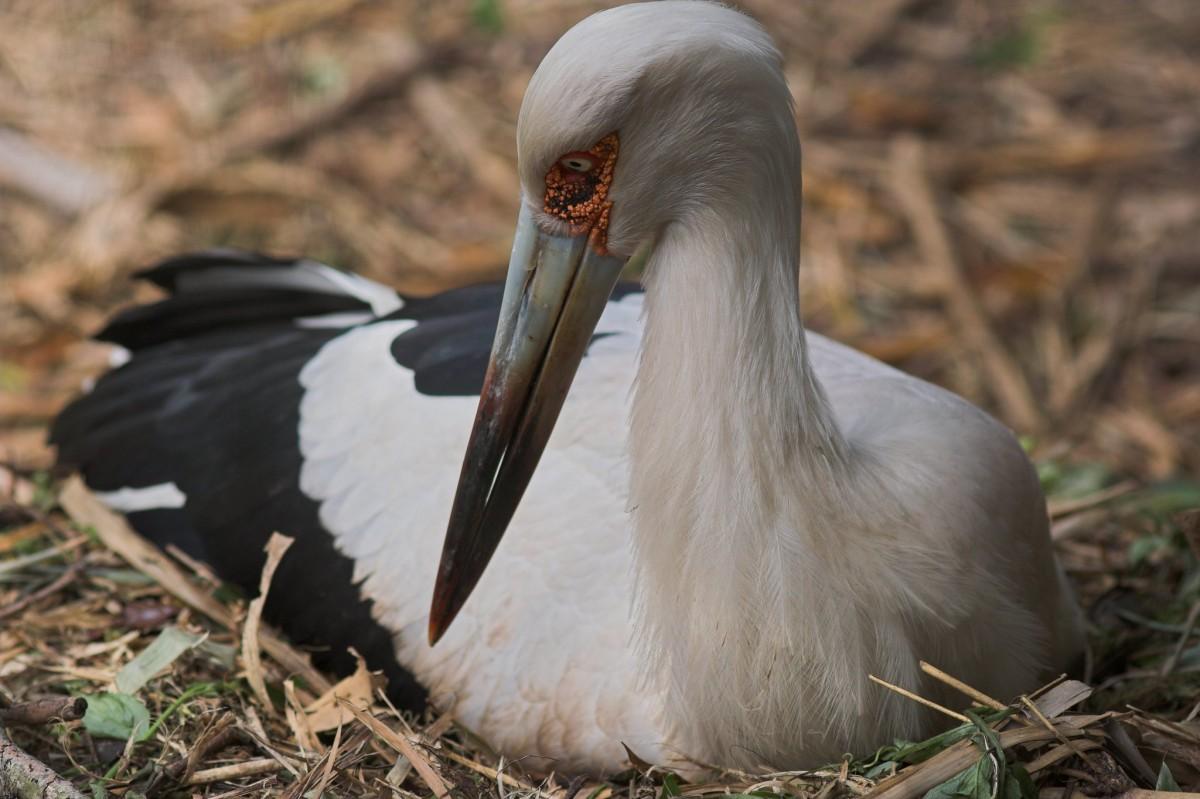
(276, 547)
(358, 689)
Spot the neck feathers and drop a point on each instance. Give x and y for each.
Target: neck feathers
(733, 445)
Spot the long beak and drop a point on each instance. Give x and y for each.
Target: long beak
(556, 289)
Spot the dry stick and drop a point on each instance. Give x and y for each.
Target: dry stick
(1045, 722)
(223, 734)
(1079, 256)
(1189, 625)
(1066, 507)
(58, 182)
(452, 131)
(24, 777)
(916, 780)
(1126, 326)
(962, 687)
(59, 583)
(114, 531)
(41, 711)
(1079, 152)
(18, 564)
(402, 745)
(489, 772)
(909, 183)
(248, 768)
(1059, 753)
(919, 699)
(330, 760)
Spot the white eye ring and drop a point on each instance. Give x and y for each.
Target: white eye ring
(578, 163)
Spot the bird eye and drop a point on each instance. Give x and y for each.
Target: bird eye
(577, 163)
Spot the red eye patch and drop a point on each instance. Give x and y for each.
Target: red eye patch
(577, 189)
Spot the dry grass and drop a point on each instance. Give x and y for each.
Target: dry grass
(1000, 198)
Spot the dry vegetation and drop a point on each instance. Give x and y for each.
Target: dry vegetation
(1001, 197)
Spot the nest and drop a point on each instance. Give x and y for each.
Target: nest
(1000, 198)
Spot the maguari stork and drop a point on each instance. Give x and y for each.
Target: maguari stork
(732, 521)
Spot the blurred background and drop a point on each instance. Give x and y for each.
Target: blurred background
(1001, 197)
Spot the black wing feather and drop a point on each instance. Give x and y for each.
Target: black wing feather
(210, 401)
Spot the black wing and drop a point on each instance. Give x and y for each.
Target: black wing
(209, 401)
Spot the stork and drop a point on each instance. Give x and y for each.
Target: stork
(732, 522)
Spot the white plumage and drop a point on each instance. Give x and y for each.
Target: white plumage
(733, 523)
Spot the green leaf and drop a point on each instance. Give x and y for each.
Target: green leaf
(911, 753)
(488, 16)
(162, 652)
(1018, 784)
(1142, 548)
(670, 787)
(974, 782)
(1169, 497)
(884, 768)
(116, 715)
(1166, 780)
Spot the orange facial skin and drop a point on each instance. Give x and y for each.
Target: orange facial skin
(579, 197)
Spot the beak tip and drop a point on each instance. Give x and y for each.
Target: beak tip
(439, 615)
(435, 631)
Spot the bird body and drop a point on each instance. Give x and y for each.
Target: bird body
(733, 522)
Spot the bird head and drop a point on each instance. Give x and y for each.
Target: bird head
(640, 117)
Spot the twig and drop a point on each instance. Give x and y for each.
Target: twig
(53, 180)
(248, 768)
(1189, 625)
(405, 747)
(1070, 153)
(1036, 712)
(59, 583)
(490, 773)
(919, 699)
(41, 711)
(1059, 753)
(452, 130)
(916, 781)
(18, 564)
(1065, 507)
(911, 186)
(330, 761)
(962, 687)
(24, 777)
(216, 738)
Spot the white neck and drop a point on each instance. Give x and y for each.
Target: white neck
(734, 450)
